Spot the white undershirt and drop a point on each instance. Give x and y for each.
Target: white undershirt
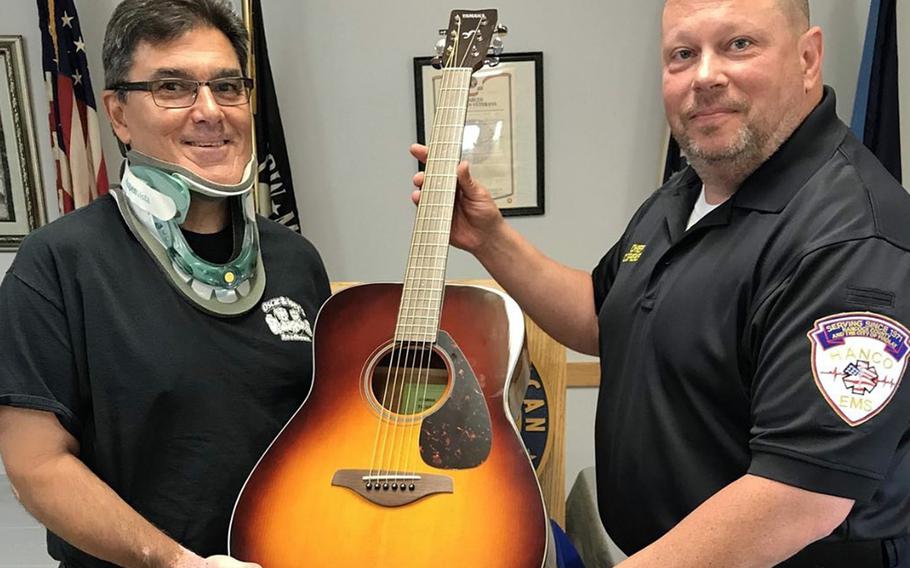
(701, 208)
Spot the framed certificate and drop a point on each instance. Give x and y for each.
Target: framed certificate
(21, 196)
(503, 135)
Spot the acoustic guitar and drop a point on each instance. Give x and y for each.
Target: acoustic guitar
(405, 452)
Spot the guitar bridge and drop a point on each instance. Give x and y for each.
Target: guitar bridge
(392, 489)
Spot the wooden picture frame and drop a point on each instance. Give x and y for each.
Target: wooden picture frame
(22, 206)
(504, 132)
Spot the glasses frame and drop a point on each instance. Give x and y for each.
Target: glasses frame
(147, 86)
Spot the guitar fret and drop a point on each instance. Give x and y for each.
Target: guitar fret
(421, 300)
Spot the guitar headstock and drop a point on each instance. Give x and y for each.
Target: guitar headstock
(472, 39)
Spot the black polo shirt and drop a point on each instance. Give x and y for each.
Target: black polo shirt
(768, 339)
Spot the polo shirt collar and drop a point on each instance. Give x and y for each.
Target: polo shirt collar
(776, 181)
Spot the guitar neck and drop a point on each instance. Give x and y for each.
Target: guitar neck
(424, 282)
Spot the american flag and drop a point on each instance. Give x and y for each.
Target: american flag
(860, 377)
(75, 137)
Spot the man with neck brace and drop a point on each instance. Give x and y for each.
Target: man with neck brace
(155, 341)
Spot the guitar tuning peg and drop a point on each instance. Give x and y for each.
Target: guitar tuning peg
(436, 62)
(492, 61)
(440, 46)
(496, 45)
(442, 31)
(501, 29)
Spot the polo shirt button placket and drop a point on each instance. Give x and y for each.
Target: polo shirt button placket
(650, 297)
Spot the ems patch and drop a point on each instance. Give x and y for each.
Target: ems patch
(858, 361)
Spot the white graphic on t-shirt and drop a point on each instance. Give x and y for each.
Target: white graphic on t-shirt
(287, 319)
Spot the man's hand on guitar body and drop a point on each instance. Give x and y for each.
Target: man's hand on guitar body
(190, 560)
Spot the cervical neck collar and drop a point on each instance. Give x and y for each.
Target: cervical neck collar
(154, 198)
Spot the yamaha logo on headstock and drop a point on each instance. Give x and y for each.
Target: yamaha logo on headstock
(472, 39)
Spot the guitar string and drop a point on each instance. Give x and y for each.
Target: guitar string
(425, 347)
(427, 249)
(387, 411)
(426, 283)
(436, 275)
(443, 223)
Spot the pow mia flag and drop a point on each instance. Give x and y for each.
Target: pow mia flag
(274, 166)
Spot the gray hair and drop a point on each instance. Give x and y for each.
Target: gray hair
(161, 21)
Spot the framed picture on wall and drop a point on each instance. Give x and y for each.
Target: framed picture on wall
(503, 136)
(21, 196)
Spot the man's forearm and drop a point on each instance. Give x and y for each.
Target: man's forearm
(558, 298)
(751, 523)
(71, 501)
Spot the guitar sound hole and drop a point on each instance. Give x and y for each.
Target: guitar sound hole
(409, 380)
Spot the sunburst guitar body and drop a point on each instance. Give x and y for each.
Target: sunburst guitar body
(405, 452)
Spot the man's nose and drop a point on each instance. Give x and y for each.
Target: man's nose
(710, 73)
(206, 107)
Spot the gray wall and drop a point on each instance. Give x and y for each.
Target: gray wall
(344, 78)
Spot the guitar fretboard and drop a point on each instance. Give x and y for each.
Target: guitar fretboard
(424, 282)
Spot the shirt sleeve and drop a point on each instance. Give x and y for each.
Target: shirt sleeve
(37, 369)
(829, 348)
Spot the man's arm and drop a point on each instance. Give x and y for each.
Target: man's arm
(753, 522)
(63, 494)
(558, 298)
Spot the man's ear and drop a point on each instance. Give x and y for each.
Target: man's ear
(812, 52)
(114, 105)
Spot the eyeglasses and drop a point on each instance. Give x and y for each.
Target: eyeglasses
(182, 93)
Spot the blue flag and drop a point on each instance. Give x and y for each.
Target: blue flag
(876, 112)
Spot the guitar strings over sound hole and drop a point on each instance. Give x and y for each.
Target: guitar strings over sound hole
(409, 379)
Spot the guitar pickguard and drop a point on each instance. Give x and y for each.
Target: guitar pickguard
(459, 435)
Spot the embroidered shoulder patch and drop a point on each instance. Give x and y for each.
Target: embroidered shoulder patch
(858, 360)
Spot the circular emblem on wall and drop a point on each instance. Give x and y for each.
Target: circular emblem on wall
(534, 424)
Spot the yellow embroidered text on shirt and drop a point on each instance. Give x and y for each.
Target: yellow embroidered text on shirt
(634, 253)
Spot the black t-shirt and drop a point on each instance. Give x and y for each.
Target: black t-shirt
(172, 407)
(770, 338)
